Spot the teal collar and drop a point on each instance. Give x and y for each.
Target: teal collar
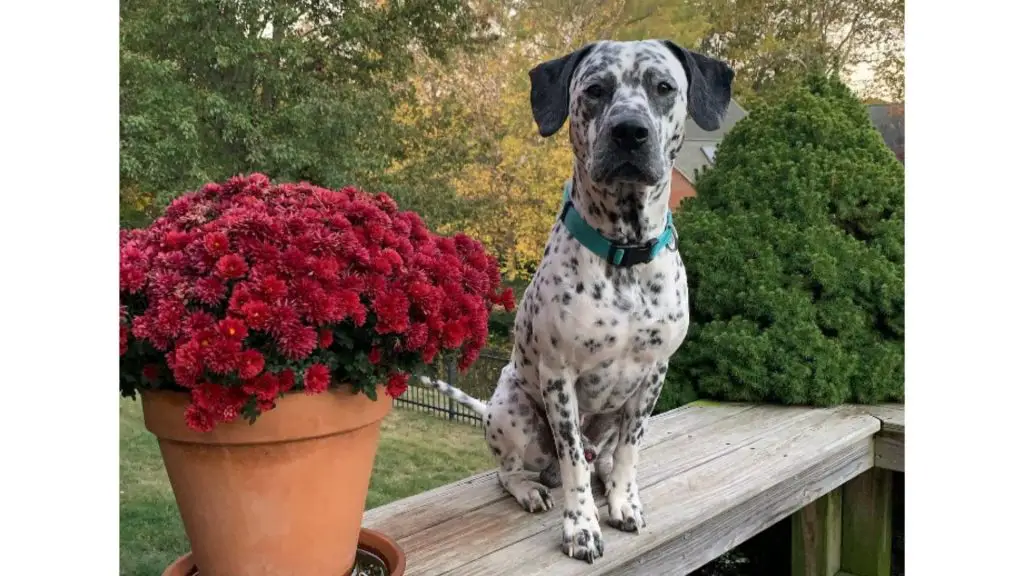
(624, 255)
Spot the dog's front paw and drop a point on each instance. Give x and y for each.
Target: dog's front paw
(625, 511)
(581, 534)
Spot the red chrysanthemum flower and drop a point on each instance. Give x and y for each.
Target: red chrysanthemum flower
(286, 379)
(187, 364)
(209, 290)
(392, 309)
(297, 342)
(326, 338)
(375, 355)
(231, 266)
(242, 272)
(222, 355)
(397, 384)
(232, 329)
(257, 314)
(250, 364)
(265, 387)
(198, 420)
(216, 244)
(317, 379)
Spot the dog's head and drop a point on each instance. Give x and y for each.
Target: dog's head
(628, 102)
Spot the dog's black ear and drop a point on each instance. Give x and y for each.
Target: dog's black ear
(549, 90)
(710, 89)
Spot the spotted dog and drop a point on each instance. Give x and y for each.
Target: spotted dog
(608, 304)
(599, 436)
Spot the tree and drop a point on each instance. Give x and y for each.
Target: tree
(297, 89)
(794, 254)
(775, 43)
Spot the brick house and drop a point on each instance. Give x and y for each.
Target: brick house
(698, 152)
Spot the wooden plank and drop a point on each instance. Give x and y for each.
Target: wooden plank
(890, 442)
(891, 415)
(867, 524)
(698, 513)
(501, 523)
(817, 536)
(726, 531)
(452, 502)
(889, 452)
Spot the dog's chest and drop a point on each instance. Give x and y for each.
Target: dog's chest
(615, 326)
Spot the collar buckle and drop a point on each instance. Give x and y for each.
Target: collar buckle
(627, 255)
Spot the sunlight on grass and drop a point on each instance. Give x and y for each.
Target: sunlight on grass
(417, 452)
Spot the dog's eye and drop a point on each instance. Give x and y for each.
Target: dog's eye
(594, 91)
(664, 88)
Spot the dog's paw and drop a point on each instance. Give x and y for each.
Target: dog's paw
(581, 534)
(535, 498)
(625, 511)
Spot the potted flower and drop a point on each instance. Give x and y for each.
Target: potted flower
(265, 328)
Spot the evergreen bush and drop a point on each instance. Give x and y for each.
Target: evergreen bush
(794, 255)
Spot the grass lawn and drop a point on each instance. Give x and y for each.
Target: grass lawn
(417, 452)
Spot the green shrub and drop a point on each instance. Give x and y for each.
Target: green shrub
(794, 255)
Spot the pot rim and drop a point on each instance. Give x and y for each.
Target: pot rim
(297, 416)
(370, 540)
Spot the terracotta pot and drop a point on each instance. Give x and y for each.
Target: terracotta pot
(281, 497)
(371, 540)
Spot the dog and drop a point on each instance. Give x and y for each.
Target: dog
(608, 304)
(598, 433)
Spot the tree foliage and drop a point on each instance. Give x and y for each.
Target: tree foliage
(775, 43)
(794, 253)
(296, 89)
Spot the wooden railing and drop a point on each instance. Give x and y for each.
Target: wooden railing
(711, 477)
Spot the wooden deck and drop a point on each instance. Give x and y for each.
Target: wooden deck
(711, 475)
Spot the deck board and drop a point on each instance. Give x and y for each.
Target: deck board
(890, 443)
(711, 477)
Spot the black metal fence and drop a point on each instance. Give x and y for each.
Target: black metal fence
(479, 381)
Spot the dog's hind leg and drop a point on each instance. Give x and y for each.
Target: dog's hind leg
(520, 439)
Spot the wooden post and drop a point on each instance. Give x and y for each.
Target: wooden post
(867, 524)
(817, 536)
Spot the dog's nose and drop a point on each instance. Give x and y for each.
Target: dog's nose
(629, 134)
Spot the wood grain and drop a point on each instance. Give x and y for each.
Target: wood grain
(696, 513)
(889, 452)
(711, 477)
(817, 531)
(891, 415)
(867, 524)
(488, 528)
(411, 515)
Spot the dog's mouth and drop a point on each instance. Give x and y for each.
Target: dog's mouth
(628, 171)
(589, 455)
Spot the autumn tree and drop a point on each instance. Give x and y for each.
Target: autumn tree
(297, 89)
(773, 44)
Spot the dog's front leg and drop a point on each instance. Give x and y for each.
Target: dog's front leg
(581, 530)
(625, 511)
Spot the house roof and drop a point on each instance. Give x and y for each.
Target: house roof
(691, 156)
(888, 120)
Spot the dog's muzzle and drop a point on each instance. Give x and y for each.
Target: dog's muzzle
(628, 151)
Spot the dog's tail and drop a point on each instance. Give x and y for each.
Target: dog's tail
(456, 394)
